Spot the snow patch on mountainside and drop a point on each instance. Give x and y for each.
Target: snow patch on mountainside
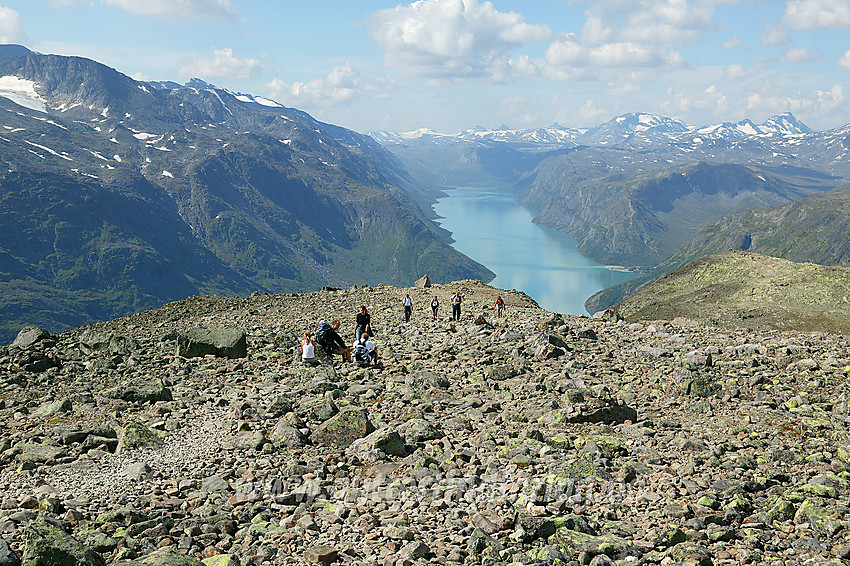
(22, 92)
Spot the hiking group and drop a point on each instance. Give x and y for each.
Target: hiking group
(363, 351)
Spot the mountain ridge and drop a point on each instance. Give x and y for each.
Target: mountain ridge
(273, 199)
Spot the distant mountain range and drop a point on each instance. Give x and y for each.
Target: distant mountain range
(637, 189)
(118, 195)
(621, 128)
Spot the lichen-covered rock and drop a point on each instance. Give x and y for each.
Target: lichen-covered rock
(136, 435)
(378, 445)
(162, 557)
(52, 408)
(344, 428)
(287, 435)
(419, 430)
(49, 545)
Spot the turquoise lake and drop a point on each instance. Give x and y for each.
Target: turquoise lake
(491, 228)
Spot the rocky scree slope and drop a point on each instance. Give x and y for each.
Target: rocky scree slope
(531, 439)
(118, 196)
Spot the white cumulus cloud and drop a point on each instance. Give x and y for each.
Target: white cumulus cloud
(10, 26)
(732, 43)
(449, 39)
(775, 34)
(178, 9)
(667, 21)
(735, 71)
(222, 64)
(844, 61)
(568, 51)
(817, 14)
(796, 55)
(340, 86)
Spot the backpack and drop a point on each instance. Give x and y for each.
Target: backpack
(323, 335)
(361, 355)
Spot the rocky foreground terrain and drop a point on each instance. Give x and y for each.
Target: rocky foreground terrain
(531, 439)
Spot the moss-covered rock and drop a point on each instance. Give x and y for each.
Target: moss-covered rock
(137, 435)
(344, 428)
(49, 545)
(162, 557)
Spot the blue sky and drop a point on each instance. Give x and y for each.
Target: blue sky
(449, 65)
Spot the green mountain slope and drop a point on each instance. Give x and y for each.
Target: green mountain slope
(639, 220)
(741, 289)
(815, 229)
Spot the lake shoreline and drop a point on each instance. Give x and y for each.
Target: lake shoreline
(492, 228)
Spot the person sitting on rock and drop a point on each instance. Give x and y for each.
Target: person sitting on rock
(331, 342)
(365, 352)
(308, 350)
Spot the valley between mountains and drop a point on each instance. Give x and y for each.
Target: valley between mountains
(164, 247)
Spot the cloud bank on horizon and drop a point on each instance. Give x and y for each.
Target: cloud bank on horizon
(453, 64)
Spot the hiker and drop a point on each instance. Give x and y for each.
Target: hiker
(407, 302)
(331, 342)
(435, 304)
(365, 352)
(308, 350)
(363, 323)
(457, 299)
(500, 306)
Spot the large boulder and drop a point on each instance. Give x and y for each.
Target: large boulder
(140, 391)
(95, 341)
(49, 545)
(423, 282)
(344, 428)
(379, 445)
(136, 435)
(30, 336)
(218, 341)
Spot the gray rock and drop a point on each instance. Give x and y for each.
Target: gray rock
(7, 555)
(138, 471)
(94, 341)
(287, 435)
(218, 341)
(423, 282)
(140, 391)
(415, 431)
(215, 483)
(613, 414)
(53, 408)
(29, 337)
(378, 445)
